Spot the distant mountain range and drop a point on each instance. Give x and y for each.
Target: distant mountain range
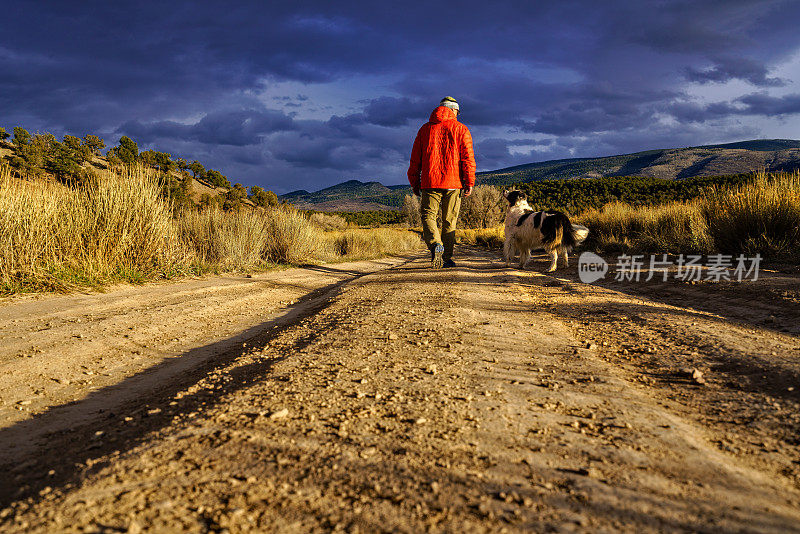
(671, 164)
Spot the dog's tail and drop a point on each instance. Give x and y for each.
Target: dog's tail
(558, 232)
(581, 232)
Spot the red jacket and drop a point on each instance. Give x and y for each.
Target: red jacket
(442, 156)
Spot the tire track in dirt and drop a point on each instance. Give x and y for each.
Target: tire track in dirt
(458, 400)
(94, 353)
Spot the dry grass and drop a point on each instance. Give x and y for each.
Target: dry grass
(251, 240)
(118, 228)
(762, 216)
(114, 228)
(671, 228)
(293, 239)
(328, 222)
(759, 217)
(485, 237)
(225, 241)
(373, 242)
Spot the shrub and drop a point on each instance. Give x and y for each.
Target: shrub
(371, 243)
(226, 241)
(371, 218)
(578, 195)
(762, 216)
(293, 239)
(671, 228)
(113, 228)
(483, 208)
(328, 222)
(262, 198)
(410, 211)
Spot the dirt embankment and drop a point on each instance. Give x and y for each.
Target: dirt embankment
(465, 400)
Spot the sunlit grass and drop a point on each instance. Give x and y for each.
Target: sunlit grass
(113, 228)
(761, 216)
(119, 228)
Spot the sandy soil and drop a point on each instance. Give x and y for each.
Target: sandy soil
(383, 396)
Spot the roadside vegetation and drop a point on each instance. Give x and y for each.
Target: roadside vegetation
(739, 214)
(579, 195)
(54, 236)
(371, 218)
(117, 225)
(75, 160)
(759, 215)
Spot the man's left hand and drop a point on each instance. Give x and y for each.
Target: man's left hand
(467, 191)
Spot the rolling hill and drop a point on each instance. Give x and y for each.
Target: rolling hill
(352, 195)
(676, 163)
(671, 164)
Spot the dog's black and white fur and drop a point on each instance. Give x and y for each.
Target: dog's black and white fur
(527, 230)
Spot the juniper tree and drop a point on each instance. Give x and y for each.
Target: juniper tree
(62, 160)
(93, 143)
(127, 151)
(198, 171)
(217, 178)
(21, 136)
(164, 162)
(29, 152)
(80, 152)
(262, 198)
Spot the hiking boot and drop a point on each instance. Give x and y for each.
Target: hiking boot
(448, 263)
(436, 256)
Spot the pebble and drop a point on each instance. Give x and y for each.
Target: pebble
(280, 414)
(590, 472)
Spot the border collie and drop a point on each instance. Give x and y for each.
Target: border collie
(527, 230)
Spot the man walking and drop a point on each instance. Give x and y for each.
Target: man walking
(442, 165)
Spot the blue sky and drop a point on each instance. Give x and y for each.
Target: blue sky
(291, 95)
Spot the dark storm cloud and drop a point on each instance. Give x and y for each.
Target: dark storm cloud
(199, 78)
(390, 111)
(755, 104)
(238, 128)
(764, 104)
(729, 68)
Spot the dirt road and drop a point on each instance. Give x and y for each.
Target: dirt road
(382, 396)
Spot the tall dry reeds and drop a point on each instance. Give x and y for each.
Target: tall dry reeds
(118, 227)
(677, 227)
(244, 240)
(225, 240)
(328, 222)
(293, 239)
(762, 216)
(361, 243)
(115, 227)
